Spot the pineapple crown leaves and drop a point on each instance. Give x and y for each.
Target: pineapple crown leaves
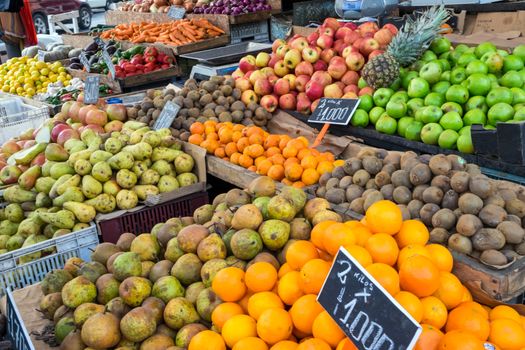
(416, 35)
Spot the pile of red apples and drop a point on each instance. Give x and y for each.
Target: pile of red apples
(300, 71)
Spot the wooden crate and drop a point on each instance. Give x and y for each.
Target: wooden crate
(79, 41)
(104, 79)
(115, 17)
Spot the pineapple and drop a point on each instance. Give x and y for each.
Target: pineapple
(406, 47)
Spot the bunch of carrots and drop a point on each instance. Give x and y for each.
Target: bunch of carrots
(175, 33)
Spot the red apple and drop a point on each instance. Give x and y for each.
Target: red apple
(287, 101)
(247, 63)
(350, 95)
(267, 71)
(237, 74)
(332, 91)
(340, 84)
(312, 38)
(327, 54)
(355, 61)
(39, 160)
(383, 36)
(273, 60)
(351, 25)
(351, 37)
(269, 102)
(303, 103)
(97, 117)
(351, 88)
(332, 23)
(57, 129)
(327, 31)
(304, 68)
(262, 87)
(348, 50)
(310, 55)
(369, 45)
(292, 58)
(299, 43)
(325, 41)
(300, 82)
(83, 112)
(351, 77)
(74, 109)
(392, 28)
(320, 65)
(339, 46)
(368, 90)
(282, 50)
(280, 69)
(272, 79)
(255, 75)
(67, 134)
(249, 96)
(243, 84)
(281, 87)
(314, 90)
(322, 77)
(291, 79)
(96, 128)
(342, 32)
(368, 27)
(277, 43)
(116, 112)
(374, 54)
(337, 67)
(314, 105)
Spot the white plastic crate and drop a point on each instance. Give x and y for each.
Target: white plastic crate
(14, 275)
(255, 31)
(16, 330)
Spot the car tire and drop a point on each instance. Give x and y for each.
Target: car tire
(84, 18)
(108, 3)
(41, 24)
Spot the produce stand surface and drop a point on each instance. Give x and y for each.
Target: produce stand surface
(227, 54)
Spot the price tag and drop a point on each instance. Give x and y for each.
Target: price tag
(91, 89)
(109, 63)
(41, 55)
(101, 44)
(176, 12)
(365, 311)
(16, 330)
(166, 117)
(334, 111)
(85, 62)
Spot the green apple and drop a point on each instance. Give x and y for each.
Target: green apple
(428, 56)
(519, 51)
(405, 80)
(413, 105)
(451, 120)
(483, 48)
(457, 93)
(440, 45)
(402, 125)
(499, 94)
(475, 116)
(447, 139)
(361, 83)
(518, 106)
(445, 64)
(417, 65)
(445, 76)
(464, 143)
(360, 118)
(366, 102)
(386, 125)
(429, 114)
(445, 55)
(500, 113)
(489, 127)
(476, 102)
(375, 113)
(512, 62)
(520, 114)
(381, 96)
(457, 75)
(400, 96)
(441, 87)
(462, 48)
(452, 107)
(431, 72)
(396, 84)
(478, 84)
(522, 73)
(494, 61)
(464, 130)
(434, 99)
(396, 109)
(465, 59)
(454, 56)
(418, 87)
(502, 53)
(518, 95)
(430, 133)
(511, 79)
(476, 66)
(413, 131)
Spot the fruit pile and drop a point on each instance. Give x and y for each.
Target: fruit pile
(27, 76)
(233, 7)
(156, 6)
(291, 161)
(138, 60)
(325, 64)
(464, 209)
(216, 100)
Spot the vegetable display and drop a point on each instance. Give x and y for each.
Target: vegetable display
(156, 6)
(53, 52)
(93, 54)
(233, 7)
(139, 59)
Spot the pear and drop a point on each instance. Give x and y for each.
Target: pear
(99, 156)
(103, 203)
(72, 194)
(61, 219)
(127, 199)
(163, 153)
(84, 154)
(46, 168)
(44, 184)
(167, 183)
(59, 169)
(83, 167)
(140, 151)
(28, 178)
(15, 194)
(121, 160)
(111, 187)
(113, 145)
(143, 191)
(73, 181)
(55, 152)
(83, 212)
(53, 192)
(29, 226)
(101, 172)
(91, 187)
(126, 178)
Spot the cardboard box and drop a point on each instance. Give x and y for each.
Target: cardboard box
(499, 22)
(505, 40)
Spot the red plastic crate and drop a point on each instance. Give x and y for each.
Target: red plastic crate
(142, 221)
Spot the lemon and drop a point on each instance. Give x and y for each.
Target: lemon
(40, 65)
(69, 76)
(67, 82)
(12, 90)
(19, 90)
(44, 71)
(5, 88)
(62, 70)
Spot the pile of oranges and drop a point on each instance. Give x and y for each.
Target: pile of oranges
(285, 159)
(269, 307)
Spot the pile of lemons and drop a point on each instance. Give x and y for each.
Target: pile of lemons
(25, 76)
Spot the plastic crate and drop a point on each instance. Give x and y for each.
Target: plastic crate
(16, 124)
(14, 275)
(16, 330)
(143, 220)
(256, 31)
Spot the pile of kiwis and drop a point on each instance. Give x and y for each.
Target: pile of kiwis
(214, 99)
(462, 208)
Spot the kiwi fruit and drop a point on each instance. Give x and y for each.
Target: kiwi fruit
(392, 158)
(442, 182)
(226, 90)
(488, 238)
(335, 195)
(495, 199)
(371, 198)
(332, 183)
(338, 172)
(468, 225)
(389, 168)
(357, 205)
(321, 192)
(209, 113)
(414, 206)
(371, 184)
(493, 257)
(185, 136)
(514, 218)
(367, 192)
(492, 215)
(424, 158)
(417, 193)
(194, 112)
(405, 157)
(382, 178)
(237, 116)
(438, 235)
(432, 195)
(352, 165)
(387, 191)
(225, 117)
(520, 248)
(450, 200)
(402, 195)
(345, 181)
(248, 114)
(469, 203)
(516, 207)
(473, 169)
(427, 212)
(372, 165)
(204, 100)
(420, 174)
(237, 106)
(460, 243)
(361, 177)
(512, 231)
(366, 152)
(401, 178)
(405, 213)
(507, 194)
(217, 94)
(444, 218)
(353, 192)
(252, 106)
(440, 164)
(410, 164)
(460, 181)
(323, 179)
(480, 186)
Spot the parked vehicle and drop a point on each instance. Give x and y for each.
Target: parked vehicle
(40, 9)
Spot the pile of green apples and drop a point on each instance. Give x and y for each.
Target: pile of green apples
(439, 97)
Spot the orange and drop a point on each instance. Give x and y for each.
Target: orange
(276, 172)
(236, 136)
(313, 275)
(252, 168)
(310, 177)
(325, 166)
(230, 148)
(466, 295)
(507, 334)
(197, 128)
(411, 250)
(228, 284)
(293, 172)
(234, 158)
(419, 275)
(285, 345)
(304, 152)
(339, 162)
(309, 162)
(478, 307)
(297, 143)
(360, 254)
(346, 344)
(242, 143)
(326, 328)
(412, 232)
(411, 304)
(290, 161)
(225, 135)
(383, 248)
(337, 235)
(260, 277)
(256, 139)
(207, 340)
(272, 150)
(284, 141)
(271, 141)
(238, 127)
(219, 152)
(289, 152)
(313, 344)
(468, 318)
(274, 325)
(258, 160)
(362, 234)
(223, 312)
(304, 311)
(244, 301)
(298, 184)
(441, 257)
(429, 338)
(304, 140)
(385, 217)
(262, 301)
(317, 233)
(328, 156)
(286, 182)
(238, 327)
(299, 253)
(450, 290)
(283, 270)
(251, 130)
(434, 312)
(460, 340)
(264, 166)
(245, 161)
(196, 139)
(386, 276)
(255, 150)
(250, 343)
(504, 311)
(277, 159)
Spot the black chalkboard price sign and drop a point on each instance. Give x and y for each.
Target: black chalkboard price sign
(109, 63)
(176, 12)
(365, 311)
(334, 111)
(166, 117)
(91, 89)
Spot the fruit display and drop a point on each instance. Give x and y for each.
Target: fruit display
(26, 76)
(156, 6)
(233, 7)
(282, 158)
(216, 100)
(57, 94)
(326, 63)
(175, 33)
(464, 209)
(93, 53)
(53, 52)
